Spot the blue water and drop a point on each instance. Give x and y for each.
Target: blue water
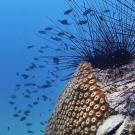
(19, 21)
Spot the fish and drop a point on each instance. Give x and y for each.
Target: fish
(44, 97)
(81, 22)
(64, 22)
(30, 46)
(23, 118)
(42, 32)
(29, 105)
(68, 11)
(27, 96)
(56, 39)
(29, 84)
(48, 28)
(25, 76)
(8, 128)
(26, 112)
(35, 103)
(11, 102)
(30, 131)
(16, 115)
(28, 124)
(87, 11)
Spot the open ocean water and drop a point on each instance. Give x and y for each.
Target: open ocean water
(19, 23)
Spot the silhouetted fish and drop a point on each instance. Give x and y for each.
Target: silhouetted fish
(30, 46)
(25, 76)
(30, 131)
(8, 128)
(22, 118)
(56, 38)
(28, 124)
(11, 102)
(81, 22)
(16, 115)
(29, 84)
(42, 32)
(64, 22)
(35, 103)
(68, 11)
(48, 28)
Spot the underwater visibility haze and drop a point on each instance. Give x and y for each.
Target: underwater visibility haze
(19, 23)
(67, 67)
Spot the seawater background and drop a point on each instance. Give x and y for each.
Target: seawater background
(19, 21)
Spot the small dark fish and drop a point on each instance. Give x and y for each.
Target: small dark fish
(87, 11)
(18, 85)
(36, 59)
(27, 96)
(46, 85)
(28, 91)
(22, 118)
(25, 76)
(29, 84)
(55, 75)
(81, 22)
(30, 105)
(16, 115)
(106, 11)
(42, 32)
(48, 28)
(11, 102)
(72, 48)
(43, 47)
(72, 37)
(15, 108)
(56, 38)
(41, 66)
(8, 128)
(42, 123)
(40, 51)
(56, 60)
(101, 18)
(35, 103)
(29, 131)
(64, 22)
(28, 124)
(41, 131)
(61, 34)
(44, 97)
(17, 74)
(30, 46)
(26, 112)
(32, 66)
(68, 11)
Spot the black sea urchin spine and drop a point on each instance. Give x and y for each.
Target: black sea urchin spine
(98, 32)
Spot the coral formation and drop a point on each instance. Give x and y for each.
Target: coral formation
(86, 107)
(81, 107)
